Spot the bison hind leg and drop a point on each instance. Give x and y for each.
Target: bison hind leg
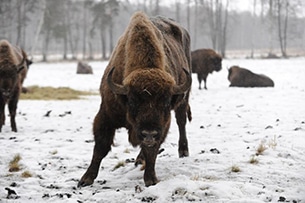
(181, 112)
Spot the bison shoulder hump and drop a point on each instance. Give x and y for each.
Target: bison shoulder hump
(170, 27)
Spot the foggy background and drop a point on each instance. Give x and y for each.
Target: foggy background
(89, 29)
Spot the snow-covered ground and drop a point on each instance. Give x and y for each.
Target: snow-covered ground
(229, 124)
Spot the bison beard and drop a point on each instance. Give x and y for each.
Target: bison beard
(148, 75)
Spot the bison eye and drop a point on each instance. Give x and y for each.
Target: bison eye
(167, 103)
(132, 103)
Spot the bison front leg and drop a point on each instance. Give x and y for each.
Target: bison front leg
(12, 106)
(103, 137)
(150, 155)
(199, 80)
(2, 114)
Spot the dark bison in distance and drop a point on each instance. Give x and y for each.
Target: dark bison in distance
(13, 69)
(241, 77)
(205, 61)
(148, 75)
(83, 68)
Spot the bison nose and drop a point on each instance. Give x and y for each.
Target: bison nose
(149, 135)
(6, 94)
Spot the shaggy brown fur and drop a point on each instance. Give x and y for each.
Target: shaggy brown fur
(241, 77)
(147, 76)
(13, 69)
(205, 61)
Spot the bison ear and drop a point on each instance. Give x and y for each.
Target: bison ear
(20, 66)
(29, 62)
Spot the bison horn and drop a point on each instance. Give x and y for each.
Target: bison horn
(20, 66)
(181, 89)
(115, 88)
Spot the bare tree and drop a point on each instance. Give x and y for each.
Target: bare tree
(178, 8)
(39, 26)
(188, 15)
(104, 12)
(223, 42)
(282, 12)
(254, 25)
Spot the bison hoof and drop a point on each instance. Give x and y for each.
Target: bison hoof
(151, 182)
(85, 182)
(183, 153)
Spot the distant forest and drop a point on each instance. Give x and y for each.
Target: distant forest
(89, 29)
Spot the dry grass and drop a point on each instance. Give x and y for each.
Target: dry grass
(235, 169)
(26, 174)
(272, 143)
(253, 160)
(119, 165)
(261, 148)
(14, 165)
(51, 93)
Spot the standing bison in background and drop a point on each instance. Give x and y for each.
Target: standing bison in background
(205, 61)
(241, 77)
(148, 75)
(13, 69)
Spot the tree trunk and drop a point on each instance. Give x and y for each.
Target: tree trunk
(224, 32)
(45, 46)
(195, 24)
(111, 35)
(84, 29)
(39, 26)
(254, 29)
(271, 27)
(177, 13)
(188, 15)
(103, 42)
(19, 22)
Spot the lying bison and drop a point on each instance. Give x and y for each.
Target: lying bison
(148, 75)
(13, 68)
(205, 61)
(241, 77)
(83, 68)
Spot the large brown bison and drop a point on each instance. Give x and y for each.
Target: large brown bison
(241, 77)
(148, 75)
(205, 61)
(13, 68)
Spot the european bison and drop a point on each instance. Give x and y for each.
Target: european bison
(205, 61)
(148, 75)
(83, 68)
(241, 77)
(13, 68)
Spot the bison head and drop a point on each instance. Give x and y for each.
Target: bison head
(215, 63)
(231, 71)
(150, 94)
(9, 77)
